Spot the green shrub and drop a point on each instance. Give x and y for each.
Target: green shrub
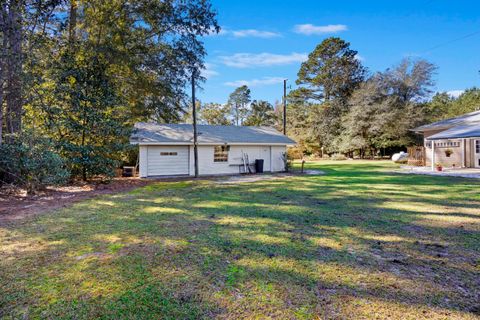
(30, 162)
(338, 156)
(90, 161)
(315, 156)
(295, 153)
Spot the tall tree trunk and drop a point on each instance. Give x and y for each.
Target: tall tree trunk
(14, 62)
(1, 106)
(72, 22)
(3, 54)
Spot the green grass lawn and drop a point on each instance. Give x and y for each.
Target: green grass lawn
(356, 243)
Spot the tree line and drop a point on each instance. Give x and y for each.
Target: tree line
(339, 106)
(75, 75)
(240, 109)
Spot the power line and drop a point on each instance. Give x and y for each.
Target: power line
(450, 42)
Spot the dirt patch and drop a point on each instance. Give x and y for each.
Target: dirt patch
(16, 204)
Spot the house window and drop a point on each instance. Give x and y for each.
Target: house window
(477, 146)
(166, 154)
(220, 153)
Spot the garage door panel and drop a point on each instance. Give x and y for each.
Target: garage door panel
(167, 161)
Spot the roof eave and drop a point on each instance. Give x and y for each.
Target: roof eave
(453, 137)
(213, 143)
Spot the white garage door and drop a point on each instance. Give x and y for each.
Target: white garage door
(167, 161)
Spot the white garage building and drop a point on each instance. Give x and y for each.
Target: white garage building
(167, 149)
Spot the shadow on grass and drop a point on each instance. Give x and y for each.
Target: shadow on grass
(193, 251)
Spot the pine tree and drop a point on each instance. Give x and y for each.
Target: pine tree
(238, 102)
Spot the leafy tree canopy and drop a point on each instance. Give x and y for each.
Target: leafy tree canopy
(215, 114)
(332, 71)
(238, 102)
(377, 114)
(262, 114)
(386, 106)
(90, 69)
(443, 106)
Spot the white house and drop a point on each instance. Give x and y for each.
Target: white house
(453, 142)
(167, 149)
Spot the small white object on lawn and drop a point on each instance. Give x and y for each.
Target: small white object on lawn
(401, 157)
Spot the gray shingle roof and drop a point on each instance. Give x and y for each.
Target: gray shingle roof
(466, 119)
(462, 131)
(183, 133)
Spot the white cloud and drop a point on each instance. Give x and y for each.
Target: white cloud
(250, 60)
(255, 82)
(309, 29)
(455, 93)
(209, 71)
(246, 33)
(255, 33)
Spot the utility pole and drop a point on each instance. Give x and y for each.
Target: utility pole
(285, 107)
(194, 114)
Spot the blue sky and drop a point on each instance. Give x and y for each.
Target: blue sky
(264, 41)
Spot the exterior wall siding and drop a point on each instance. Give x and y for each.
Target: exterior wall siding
(470, 153)
(142, 161)
(278, 163)
(207, 166)
(272, 156)
(455, 159)
(475, 158)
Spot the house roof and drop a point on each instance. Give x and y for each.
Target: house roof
(466, 119)
(154, 133)
(461, 131)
